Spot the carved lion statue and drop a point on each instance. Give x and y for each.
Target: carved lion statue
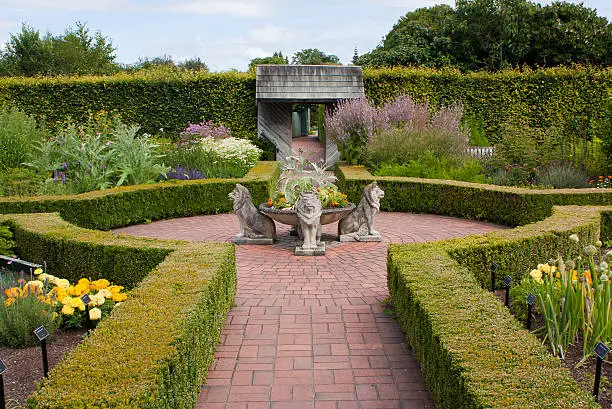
(361, 220)
(253, 224)
(308, 208)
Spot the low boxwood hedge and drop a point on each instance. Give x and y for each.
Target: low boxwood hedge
(72, 252)
(155, 349)
(473, 352)
(107, 209)
(510, 206)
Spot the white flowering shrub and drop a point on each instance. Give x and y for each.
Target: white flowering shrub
(228, 157)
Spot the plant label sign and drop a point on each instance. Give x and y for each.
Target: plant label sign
(494, 267)
(86, 299)
(531, 299)
(41, 332)
(508, 281)
(2, 367)
(601, 350)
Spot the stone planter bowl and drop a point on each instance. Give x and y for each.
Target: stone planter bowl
(288, 216)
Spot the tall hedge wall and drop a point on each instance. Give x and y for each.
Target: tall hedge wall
(155, 102)
(571, 98)
(561, 96)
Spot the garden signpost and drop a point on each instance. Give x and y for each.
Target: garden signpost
(601, 351)
(86, 300)
(507, 282)
(494, 268)
(2, 370)
(42, 334)
(531, 298)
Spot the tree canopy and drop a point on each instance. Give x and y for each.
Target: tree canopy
(495, 34)
(313, 56)
(276, 58)
(77, 51)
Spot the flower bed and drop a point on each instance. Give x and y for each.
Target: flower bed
(472, 351)
(117, 207)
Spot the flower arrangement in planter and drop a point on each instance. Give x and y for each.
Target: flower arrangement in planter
(300, 175)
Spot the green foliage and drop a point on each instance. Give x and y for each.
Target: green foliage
(18, 138)
(504, 205)
(474, 128)
(6, 242)
(562, 175)
(432, 166)
(606, 136)
(458, 330)
(19, 182)
(276, 59)
(160, 341)
(19, 320)
(161, 102)
(573, 100)
(75, 52)
(493, 34)
(313, 56)
(74, 252)
(122, 206)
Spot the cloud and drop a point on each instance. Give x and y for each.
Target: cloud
(71, 5)
(239, 8)
(410, 4)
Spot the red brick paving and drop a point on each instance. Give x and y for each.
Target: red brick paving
(310, 332)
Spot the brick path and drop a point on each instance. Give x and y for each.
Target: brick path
(312, 149)
(310, 332)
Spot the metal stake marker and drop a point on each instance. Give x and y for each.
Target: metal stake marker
(507, 282)
(530, 301)
(86, 300)
(2, 398)
(494, 268)
(42, 334)
(601, 351)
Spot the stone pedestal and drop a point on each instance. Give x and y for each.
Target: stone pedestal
(317, 251)
(246, 240)
(357, 237)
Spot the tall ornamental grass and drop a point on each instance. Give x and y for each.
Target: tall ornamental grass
(399, 131)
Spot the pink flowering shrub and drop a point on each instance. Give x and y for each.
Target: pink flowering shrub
(398, 131)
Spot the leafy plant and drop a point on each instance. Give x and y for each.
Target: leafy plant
(133, 159)
(19, 135)
(431, 166)
(6, 242)
(22, 310)
(562, 175)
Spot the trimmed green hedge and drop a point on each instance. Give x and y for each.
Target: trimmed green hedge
(155, 349)
(154, 101)
(571, 98)
(72, 252)
(510, 206)
(117, 207)
(473, 352)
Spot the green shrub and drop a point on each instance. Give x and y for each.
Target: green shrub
(19, 182)
(432, 166)
(474, 127)
(6, 242)
(19, 320)
(106, 209)
(19, 135)
(74, 252)
(473, 353)
(155, 349)
(510, 206)
(562, 175)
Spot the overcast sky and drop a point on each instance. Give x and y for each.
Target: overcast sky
(226, 34)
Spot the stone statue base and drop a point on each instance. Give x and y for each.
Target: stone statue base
(318, 251)
(246, 240)
(356, 237)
